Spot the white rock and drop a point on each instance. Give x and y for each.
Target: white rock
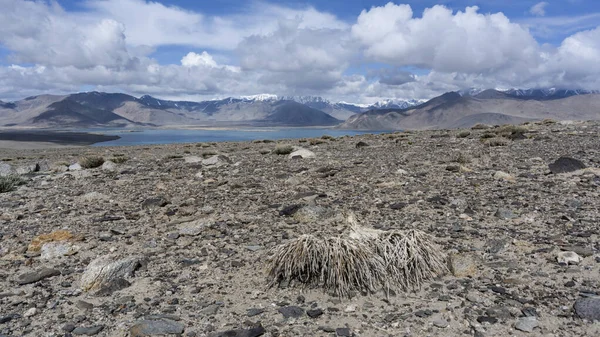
(350, 308)
(302, 153)
(75, 167)
(30, 312)
(569, 257)
(402, 172)
(192, 159)
(105, 269)
(52, 250)
(216, 161)
(526, 324)
(109, 166)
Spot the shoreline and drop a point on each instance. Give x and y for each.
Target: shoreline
(36, 138)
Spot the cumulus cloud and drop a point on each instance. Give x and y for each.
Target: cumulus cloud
(441, 40)
(392, 76)
(539, 9)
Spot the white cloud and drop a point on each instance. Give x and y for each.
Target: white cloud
(441, 40)
(193, 60)
(539, 9)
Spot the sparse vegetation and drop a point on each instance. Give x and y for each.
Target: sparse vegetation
(507, 130)
(361, 144)
(283, 149)
(327, 137)
(119, 159)
(463, 134)
(488, 135)
(461, 158)
(480, 126)
(9, 183)
(497, 141)
(366, 261)
(89, 162)
(208, 154)
(316, 141)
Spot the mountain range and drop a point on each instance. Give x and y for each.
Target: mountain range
(460, 109)
(454, 109)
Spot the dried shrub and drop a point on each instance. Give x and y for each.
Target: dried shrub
(283, 149)
(89, 162)
(10, 182)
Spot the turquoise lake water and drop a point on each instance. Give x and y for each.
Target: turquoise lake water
(168, 136)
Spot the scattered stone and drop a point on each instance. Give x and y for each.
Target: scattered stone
(581, 251)
(210, 310)
(291, 312)
(52, 250)
(440, 323)
(463, 264)
(162, 326)
(361, 144)
(56, 236)
(566, 165)
(30, 312)
(487, 319)
(192, 159)
(526, 324)
(88, 331)
(567, 258)
(254, 248)
(37, 275)
(75, 167)
(109, 166)
(6, 169)
(156, 202)
(588, 308)
(254, 312)
(105, 269)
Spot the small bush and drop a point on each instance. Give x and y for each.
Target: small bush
(461, 158)
(119, 159)
(327, 137)
(480, 126)
(316, 141)
(283, 149)
(488, 135)
(507, 130)
(208, 154)
(89, 162)
(497, 141)
(463, 134)
(10, 183)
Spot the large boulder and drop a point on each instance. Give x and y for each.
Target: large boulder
(106, 269)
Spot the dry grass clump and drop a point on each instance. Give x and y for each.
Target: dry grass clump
(283, 149)
(461, 158)
(10, 182)
(365, 261)
(463, 134)
(327, 137)
(508, 130)
(119, 158)
(480, 126)
(497, 141)
(89, 162)
(316, 141)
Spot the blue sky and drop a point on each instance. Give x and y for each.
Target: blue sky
(352, 50)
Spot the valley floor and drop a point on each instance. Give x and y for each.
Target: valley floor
(202, 231)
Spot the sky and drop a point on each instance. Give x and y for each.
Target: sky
(351, 50)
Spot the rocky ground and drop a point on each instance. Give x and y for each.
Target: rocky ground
(173, 240)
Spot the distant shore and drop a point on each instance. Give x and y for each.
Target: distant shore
(21, 138)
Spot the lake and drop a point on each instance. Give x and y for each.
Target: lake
(168, 136)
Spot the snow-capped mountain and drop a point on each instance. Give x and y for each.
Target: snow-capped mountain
(537, 94)
(396, 104)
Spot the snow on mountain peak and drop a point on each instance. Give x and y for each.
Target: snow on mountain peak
(261, 97)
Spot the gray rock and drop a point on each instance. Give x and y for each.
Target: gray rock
(291, 311)
(156, 327)
(581, 251)
(155, 202)
(52, 250)
(588, 308)
(314, 313)
(254, 312)
(440, 323)
(526, 324)
(105, 269)
(210, 310)
(193, 228)
(565, 165)
(88, 331)
(505, 214)
(569, 257)
(109, 287)
(192, 159)
(37, 275)
(252, 332)
(343, 332)
(254, 248)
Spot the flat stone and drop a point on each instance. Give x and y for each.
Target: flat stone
(565, 165)
(52, 250)
(156, 327)
(463, 264)
(88, 331)
(526, 324)
(254, 248)
(302, 153)
(343, 332)
(75, 167)
(216, 161)
(37, 275)
(254, 312)
(291, 312)
(581, 251)
(155, 202)
(588, 308)
(505, 214)
(569, 257)
(252, 332)
(499, 175)
(193, 228)
(440, 323)
(210, 310)
(192, 159)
